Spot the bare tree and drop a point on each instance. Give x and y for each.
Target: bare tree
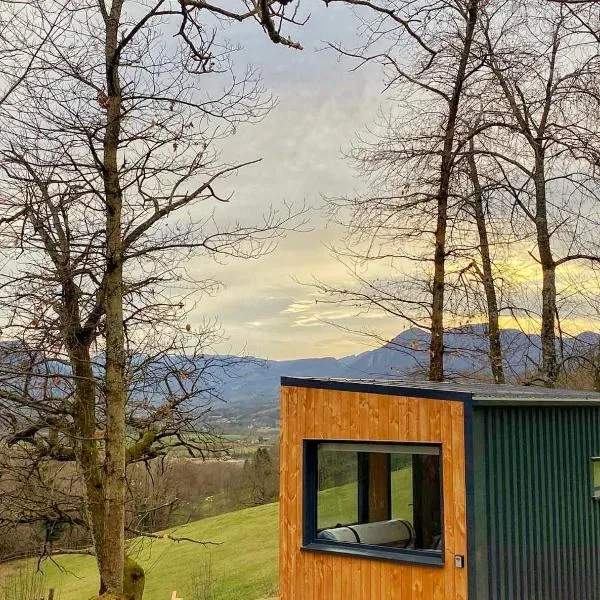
(541, 93)
(110, 182)
(426, 50)
(19, 51)
(541, 137)
(479, 259)
(486, 274)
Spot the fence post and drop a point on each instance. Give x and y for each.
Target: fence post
(51, 594)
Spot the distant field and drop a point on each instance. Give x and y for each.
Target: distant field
(230, 445)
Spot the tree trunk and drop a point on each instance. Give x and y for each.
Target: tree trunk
(86, 446)
(548, 335)
(596, 366)
(487, 276)
(436, 348)
(84, 409)
(112, 549)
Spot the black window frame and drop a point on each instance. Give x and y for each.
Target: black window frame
(310, 541)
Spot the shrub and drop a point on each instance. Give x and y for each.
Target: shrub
(25, 584)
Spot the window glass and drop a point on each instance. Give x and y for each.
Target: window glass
(402, 487)
(386, 495)
(596, 477)
(338, 488)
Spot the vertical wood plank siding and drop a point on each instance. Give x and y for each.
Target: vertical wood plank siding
(537, 527)
(329, 414)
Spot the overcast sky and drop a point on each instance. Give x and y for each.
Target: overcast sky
(322, 103)
(264, 310)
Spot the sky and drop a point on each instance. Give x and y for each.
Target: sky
(267, 307)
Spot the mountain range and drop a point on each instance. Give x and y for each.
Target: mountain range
(256, 382)
(250, 384)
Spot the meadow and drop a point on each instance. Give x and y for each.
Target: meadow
(242, 560)
(239, 563)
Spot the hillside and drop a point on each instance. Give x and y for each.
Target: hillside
(244, 560)
(244, 563)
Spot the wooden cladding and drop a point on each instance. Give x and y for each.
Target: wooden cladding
(310, 413)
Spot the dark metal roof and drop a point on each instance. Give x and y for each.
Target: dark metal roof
(480, 394)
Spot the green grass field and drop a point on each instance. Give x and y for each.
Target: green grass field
(244, 563)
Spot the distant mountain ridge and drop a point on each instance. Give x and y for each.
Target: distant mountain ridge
(246, 384)
(256, 382)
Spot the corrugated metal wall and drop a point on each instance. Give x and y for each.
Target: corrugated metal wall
(537, 526)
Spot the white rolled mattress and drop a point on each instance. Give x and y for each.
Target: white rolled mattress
(380, 533)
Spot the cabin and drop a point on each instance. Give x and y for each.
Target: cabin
(425, 491)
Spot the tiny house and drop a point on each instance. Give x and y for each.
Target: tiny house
(422, 491)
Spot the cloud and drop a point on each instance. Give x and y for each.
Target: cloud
(298, 307)
(254, 323)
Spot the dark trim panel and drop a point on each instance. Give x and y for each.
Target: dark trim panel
(363, 487)
(376, 388)
(479, 398)
(309, 491)
(534, 402)
(373, 442)
(470, 501)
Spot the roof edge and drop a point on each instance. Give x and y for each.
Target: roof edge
(375, 388)
(499, 401)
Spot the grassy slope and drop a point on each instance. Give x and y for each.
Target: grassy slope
(244, 564)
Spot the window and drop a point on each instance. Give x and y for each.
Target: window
(595, 462)
(377, 499)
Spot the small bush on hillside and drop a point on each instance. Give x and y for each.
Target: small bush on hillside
(25, 584)
(203, 582)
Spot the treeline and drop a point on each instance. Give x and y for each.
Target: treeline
(484, 195)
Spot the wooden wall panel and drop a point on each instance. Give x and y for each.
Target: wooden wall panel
(329, 414)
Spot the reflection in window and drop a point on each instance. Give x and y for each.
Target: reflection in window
(386, 495)
(596, 477)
